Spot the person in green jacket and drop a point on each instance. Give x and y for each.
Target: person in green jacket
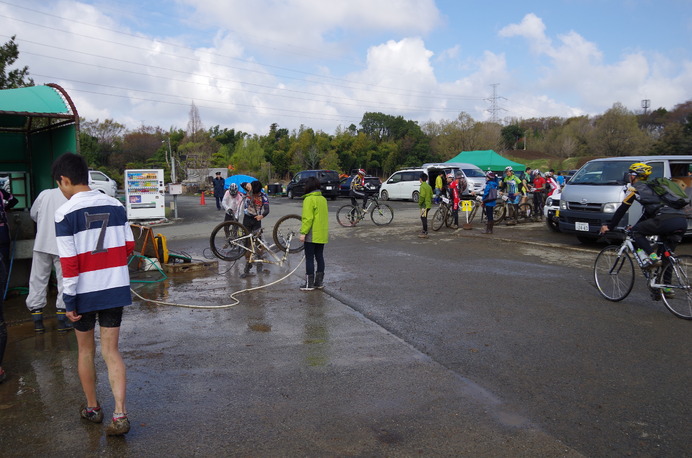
(314, 232)
(424, 202)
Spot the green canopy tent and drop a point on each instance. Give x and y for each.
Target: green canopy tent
(487, 160)
(37, 124)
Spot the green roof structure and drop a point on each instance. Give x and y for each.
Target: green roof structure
(37, 124)
(487, 160)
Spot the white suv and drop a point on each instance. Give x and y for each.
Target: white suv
(100, 181)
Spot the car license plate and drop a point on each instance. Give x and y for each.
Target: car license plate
(582, 227)
(328, 188)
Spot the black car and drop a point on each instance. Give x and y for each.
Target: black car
(329, 181)
(373, 183)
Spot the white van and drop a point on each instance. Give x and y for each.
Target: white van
(594, 193)
(101, 182)
(475, 177)
(405, 184)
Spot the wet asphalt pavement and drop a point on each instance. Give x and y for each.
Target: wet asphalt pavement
(455, 345)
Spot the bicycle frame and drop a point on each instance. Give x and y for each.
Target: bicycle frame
(652, 276)
(256, 245)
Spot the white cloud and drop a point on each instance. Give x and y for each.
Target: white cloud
(576, 66)
(532, 28)
(313, 23)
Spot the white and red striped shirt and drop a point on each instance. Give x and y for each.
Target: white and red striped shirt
(94, 243)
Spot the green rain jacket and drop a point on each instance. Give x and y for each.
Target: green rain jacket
(425, 195)
(315, 218)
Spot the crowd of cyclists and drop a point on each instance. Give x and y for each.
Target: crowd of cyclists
(511, 188)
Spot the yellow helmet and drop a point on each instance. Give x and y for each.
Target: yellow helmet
(641, 170)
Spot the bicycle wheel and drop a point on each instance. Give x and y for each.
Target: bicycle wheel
(438, 219)
(449, 221)
(614, 273)
(348, 216)
(287, 233)
(472, 213)
(499, 213)
(526, 213)
(677, 294)
(229, 241)
(382, 214)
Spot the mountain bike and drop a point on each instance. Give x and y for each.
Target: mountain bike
(350, 215)
(614, 274)
(523, 213)
(443, 215)
(231, 240)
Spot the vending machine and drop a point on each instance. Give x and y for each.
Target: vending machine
(144, 194)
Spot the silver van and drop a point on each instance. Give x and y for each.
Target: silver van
(475, 178)
(594, 193)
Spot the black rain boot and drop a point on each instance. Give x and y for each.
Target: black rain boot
(309, 284)
(246, 270)
(64, 324)
(490, 227)
(261, 269)
(319, 277)
(37, 317)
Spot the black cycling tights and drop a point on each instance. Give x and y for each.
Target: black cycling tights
(657, 226)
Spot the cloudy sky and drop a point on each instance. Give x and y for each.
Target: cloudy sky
(323, 63)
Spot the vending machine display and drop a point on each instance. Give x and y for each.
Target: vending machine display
(144, 194)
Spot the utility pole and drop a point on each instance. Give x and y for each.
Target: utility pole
(494, 108)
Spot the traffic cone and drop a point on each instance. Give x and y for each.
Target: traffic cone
(201, 200)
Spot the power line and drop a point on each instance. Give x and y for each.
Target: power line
(220, 56)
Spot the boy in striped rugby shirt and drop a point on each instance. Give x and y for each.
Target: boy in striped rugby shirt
(94, 243)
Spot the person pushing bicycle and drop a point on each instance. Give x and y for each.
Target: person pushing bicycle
(658, 218)
(256, 209)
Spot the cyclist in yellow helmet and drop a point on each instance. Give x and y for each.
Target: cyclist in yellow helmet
(658, 218)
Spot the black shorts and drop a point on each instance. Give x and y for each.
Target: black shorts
(109, 318)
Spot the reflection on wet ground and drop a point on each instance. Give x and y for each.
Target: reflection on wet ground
(282, 372)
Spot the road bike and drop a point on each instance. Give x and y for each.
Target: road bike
(444, 216)
(231, 240)
(350, 215)
(614, 274)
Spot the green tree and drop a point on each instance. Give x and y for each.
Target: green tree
(511, 135)
(12, 79)
(617, 133)
(109, 139)
(248, 156)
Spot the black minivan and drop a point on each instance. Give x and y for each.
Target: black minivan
(329, 180)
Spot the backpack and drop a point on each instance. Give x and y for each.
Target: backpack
(670, 193)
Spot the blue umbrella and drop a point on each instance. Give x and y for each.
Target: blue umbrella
(237, 179)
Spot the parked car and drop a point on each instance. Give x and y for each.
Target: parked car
(329, 180)
(403, 184)
(475, 177)
(373, 184)
(101, 182)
